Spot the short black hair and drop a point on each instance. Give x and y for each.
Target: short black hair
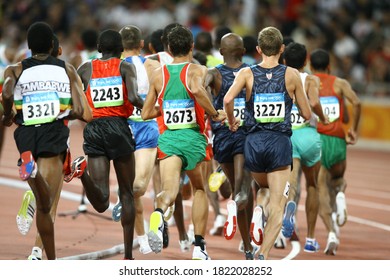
(203, 42)
(56, 46)
(110, 41)
(131, 37)
(167, 29)
(89, 37)
(295, 55)
(250, 44)
(319, 59)
(40, 37)
(180, 41)
(155, 40)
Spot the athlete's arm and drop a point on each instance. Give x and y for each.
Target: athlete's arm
(129, 75)
(150, 111)
(10, 76)
(295, 89)
(312, 85)
(196, 85)
(76, 91)
(240, 81)
(343, 86)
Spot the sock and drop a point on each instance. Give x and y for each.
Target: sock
(199, 241)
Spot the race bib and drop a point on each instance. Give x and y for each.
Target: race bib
(239, 110)
(136, 116)
(40, 107)
(330, 107)
(297, 121)
(179, 114)
(269, 107)
(107, 92)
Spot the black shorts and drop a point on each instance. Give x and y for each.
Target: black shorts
(227, 144)
(108, 136)
(266, 151)
(45, 140)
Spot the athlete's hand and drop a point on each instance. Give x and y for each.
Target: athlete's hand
(234, 126)
(220, 117)
(9, 119)
(326, 121)
(351, 137)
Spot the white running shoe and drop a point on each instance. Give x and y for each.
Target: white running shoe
(199, 254)
(241, 247)
(280, 242)
(218, 225)
(341, 209)
(36, 254)
(144, 247)
(230, 227)
(332, 244)
(168, 214)
(185, 245)
(257, 226)
(25, 216)
(335, 225)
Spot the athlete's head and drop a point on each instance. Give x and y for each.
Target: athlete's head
(204, 42)
(270, 41)
(110, 41)
(232, 45)
(89, 38)
(57, 50)
(131, 37)
(40, 37)
(295, 55)
(180, 41)
(319, 60)
(166, 30)
(219, 32)
(155, 41)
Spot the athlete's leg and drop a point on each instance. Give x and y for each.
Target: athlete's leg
(325, 209)
(45, 186)
(125, 173)
(277, 181)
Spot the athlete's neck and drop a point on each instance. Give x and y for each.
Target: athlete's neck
(232, 62)
(128, 53)
(269, 61)
(181, 59)
(40, 56)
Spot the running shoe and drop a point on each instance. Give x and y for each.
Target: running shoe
(249, 255)
(25, 216)
(191, 233)
(261, 257)
(199, 254)
(280, 241)
(218, 225)
(144, 247)
(169, 212)
(332, 244)
(165, 235)
(78, 167)
(311, 245)
(335, 225)
(185, 245)
(36, 254)
(27, 166)
(257, 226)
(341, 209)
(155, 234)
(216, 180)
(241, 247)
(230, 227)
(289, 219)
(116, 212)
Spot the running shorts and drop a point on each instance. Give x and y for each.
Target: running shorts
(227, 144)
(145, 134)
(188, 144)
(108, 136)
(267, 150)
(306, 143)
(334, 150)
(45, 140)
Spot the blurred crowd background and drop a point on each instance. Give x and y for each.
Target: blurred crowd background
(356, 32)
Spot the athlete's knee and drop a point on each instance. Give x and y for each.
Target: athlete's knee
(139, 189)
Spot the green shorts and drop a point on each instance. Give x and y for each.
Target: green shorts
(306, 144)
(334, 150)
(188, 144)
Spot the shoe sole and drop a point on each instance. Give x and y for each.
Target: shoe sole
(213, 185)
(331, 248)
(155, 243)
(168, 214)
(288, 221)
(25, 215)
(230, 227)
(77, 162)
(117, 212)
(27, 165)
(341, 218)
(256, 226)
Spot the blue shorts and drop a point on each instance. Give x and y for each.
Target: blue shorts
(306, 144)
(227, 144)
(267, 150)
(145, 134)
